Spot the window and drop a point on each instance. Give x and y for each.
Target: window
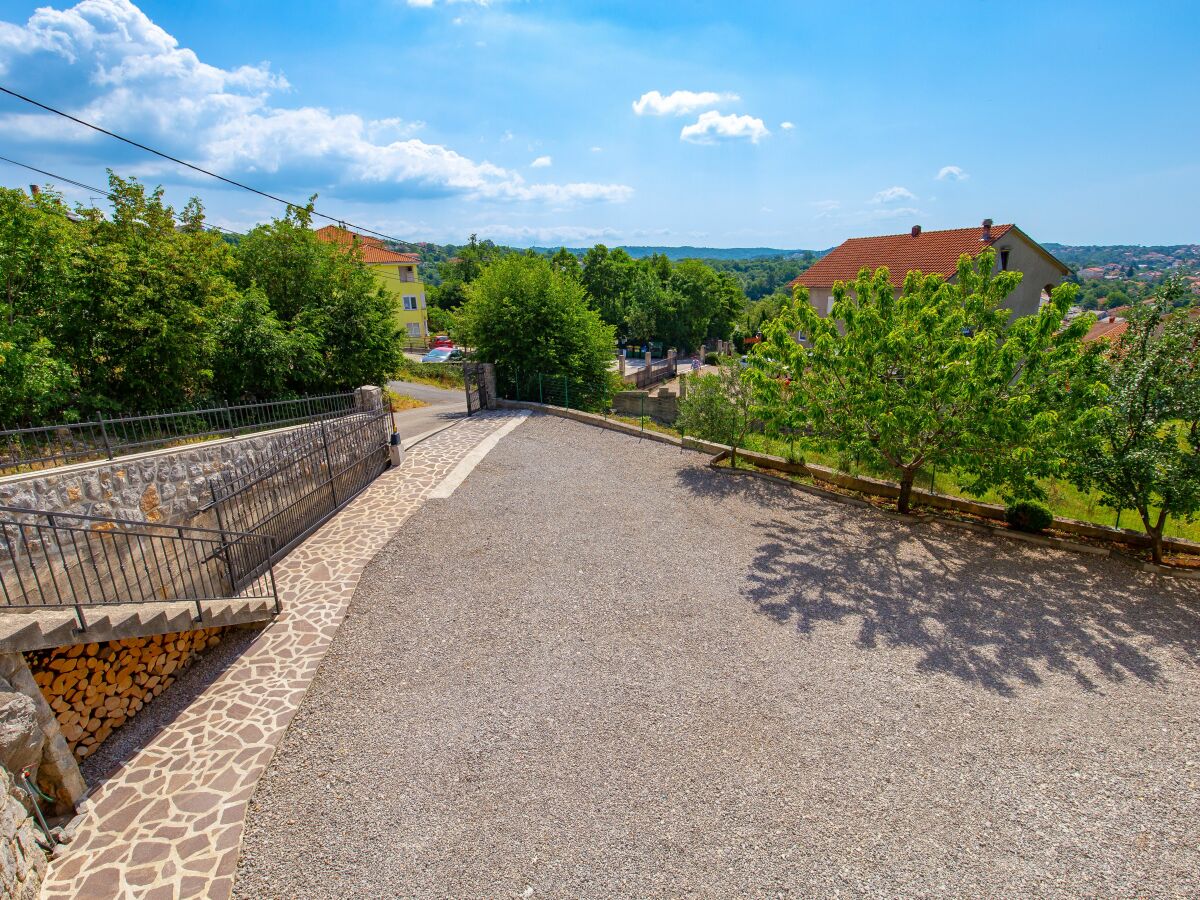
(1003, 260)
(410, 302)
(414, 329)
(407, 274)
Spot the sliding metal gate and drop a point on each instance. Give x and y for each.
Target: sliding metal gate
(314, 471)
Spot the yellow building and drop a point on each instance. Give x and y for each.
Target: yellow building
(396, 272)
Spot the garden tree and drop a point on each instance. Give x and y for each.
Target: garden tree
(606, 277)
(1140, 446)
(460, 270)
(939, 376)
(646, 304)
(341, 324)
(38, 248)
(253, 353)
(135, 330)
(719, 407)
(527, 318)
(442, 321)
(567, 263)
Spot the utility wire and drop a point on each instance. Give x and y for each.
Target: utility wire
(96, 190)
(289, 204)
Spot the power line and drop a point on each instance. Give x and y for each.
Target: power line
(96, 190)
(195, 168)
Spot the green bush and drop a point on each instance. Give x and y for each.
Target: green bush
(1028, 515)
(711, 359)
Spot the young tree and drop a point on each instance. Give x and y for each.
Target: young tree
(719, 407)
(527, 318)
(937, 376)
(1140, 446)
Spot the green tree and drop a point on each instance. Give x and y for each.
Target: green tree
(341, 324)
(527, 318)
(938, 376)
(719, 407)
(606, 277)
(567, 263)
(1140, 446)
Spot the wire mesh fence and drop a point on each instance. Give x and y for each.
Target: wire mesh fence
(48, 446)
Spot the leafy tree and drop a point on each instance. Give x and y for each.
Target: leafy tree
(567, 263)
(527, 318)
(606, 277)
(341, 324)
(1140, 446)
(253, 354)
(460, 270)
(718, 407)
(937, 376)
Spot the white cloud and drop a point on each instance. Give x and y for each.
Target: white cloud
(954, 173)
(542, 162)
(678, 103)
(135, 78)
(889, 195)
(597, 149)
(787, 126)
(712, 126)
(425, 4)
(894, 212)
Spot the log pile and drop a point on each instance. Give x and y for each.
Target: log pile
(96, 688)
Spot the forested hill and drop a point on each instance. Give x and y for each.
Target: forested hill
(677, 253)
(1124, 255)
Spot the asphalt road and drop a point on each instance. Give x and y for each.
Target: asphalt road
(602, 669)
(445, 406)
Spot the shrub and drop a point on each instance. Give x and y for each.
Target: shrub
(711, 359)
(1028, 515)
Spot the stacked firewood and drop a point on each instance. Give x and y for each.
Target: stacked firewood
(96, 688)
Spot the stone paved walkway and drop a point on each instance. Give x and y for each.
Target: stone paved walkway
(169, 824)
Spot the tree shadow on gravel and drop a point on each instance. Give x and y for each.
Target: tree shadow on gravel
(989, 612)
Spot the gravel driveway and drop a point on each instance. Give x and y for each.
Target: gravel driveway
(600, 669)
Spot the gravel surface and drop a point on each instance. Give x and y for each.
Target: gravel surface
(601, 669)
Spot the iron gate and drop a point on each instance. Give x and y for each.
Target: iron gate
(315, 471)
(476, 387)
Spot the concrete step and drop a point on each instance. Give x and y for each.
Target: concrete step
(39, 628)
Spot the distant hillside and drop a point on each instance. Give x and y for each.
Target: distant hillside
(1127, 255)
(677, 253)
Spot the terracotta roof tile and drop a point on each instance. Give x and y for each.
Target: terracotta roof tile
(1105, 330)
(374, 251)
(930, 252)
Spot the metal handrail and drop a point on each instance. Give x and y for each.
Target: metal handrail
(56, 559)
(106, 438)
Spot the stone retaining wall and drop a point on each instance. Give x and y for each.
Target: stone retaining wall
(95, 688)
(164, 486)
(22, 860)
(662, 406)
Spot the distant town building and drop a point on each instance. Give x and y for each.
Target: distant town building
(396, 272)
(937, 253)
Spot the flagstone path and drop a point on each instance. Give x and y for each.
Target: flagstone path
(169, 823)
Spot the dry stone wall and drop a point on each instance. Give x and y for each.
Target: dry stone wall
(96, 688)
(22, 860)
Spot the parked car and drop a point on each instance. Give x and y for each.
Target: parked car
(441, 340)
(442, 354)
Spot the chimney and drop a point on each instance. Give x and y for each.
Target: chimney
(34, 190)
(916, 231)
(987, 230)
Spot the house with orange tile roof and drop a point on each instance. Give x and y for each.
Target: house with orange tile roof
(396, 272)
(937, 252)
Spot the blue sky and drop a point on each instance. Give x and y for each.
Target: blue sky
(785, 124)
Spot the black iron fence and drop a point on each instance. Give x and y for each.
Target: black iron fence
(317, 469)
(46, 446)
(77, 561)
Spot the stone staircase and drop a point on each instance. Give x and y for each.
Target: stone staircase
(40, 628)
